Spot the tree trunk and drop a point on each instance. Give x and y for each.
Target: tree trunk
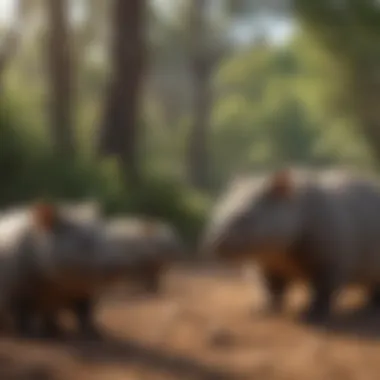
(11, 41)
(198, 140)
(60, 78)
(13, 38)
(365, 97)
(202, 65)
(119, 129)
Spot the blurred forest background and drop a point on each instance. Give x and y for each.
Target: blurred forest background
(153, 106)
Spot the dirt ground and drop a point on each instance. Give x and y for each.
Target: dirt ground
(206, 326)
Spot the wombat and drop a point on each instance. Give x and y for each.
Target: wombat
(141, 250)
(48, 258)
(320, 227)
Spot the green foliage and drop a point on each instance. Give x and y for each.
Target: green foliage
(169, 200)
(17, 154)
(279, 105)
(30, 171)
(349, 30)
(272, 104)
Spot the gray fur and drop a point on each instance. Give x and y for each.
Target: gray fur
(32, 259)
(134, 241)
(334, 214)
(56, 267)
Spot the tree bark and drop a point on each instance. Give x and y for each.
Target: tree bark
(198, 154)
(119, 128)
(202, 65)
(365, 102)
(60, 78)
(13, 38)
(11, 42)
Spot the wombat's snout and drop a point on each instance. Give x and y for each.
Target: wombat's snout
(207, 247)
(220, 248)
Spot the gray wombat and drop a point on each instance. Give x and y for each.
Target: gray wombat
(47, 256)
(320, 227)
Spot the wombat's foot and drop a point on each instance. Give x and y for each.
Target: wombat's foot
(50, 328)
(319, 309)
(83, 310)
(24, 318)
(152, 284)
(373, 301)
(24, 327)
(90, 332)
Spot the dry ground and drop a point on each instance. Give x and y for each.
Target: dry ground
(202, 328)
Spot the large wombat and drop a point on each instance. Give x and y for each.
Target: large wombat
(140, 250)
(49, 258)
(319, 227)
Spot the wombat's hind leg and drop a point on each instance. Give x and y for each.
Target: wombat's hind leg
(323, 291)
(276, 288)
(152, 281)
(84, 312)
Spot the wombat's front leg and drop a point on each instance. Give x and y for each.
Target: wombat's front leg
(374, 299)
(152, 280)
(84, 312)
(276, 287)
(23, 313)
(323, 289)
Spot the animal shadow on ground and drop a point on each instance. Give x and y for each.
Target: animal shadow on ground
(113, 350)
(12, 370)
(359, 323)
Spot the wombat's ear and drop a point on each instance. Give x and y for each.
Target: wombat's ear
(281, 184)
(45, 215)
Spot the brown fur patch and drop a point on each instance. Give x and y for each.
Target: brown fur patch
(62, 291)
(55, 295)
(281, 184)
(282, 264)
(45, 215)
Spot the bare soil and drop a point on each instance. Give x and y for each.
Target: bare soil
(206, 325)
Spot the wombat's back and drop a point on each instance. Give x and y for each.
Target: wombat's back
(13, 225)
(346, 217)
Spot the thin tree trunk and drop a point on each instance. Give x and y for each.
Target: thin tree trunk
(60, 78)
(198, 140)
(9, 47)
(13, 38)
(119, 129)
(365, 101)
(202, 65)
